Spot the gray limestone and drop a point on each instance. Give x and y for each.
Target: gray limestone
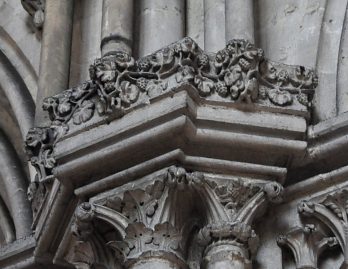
(161, 22)
(117, 26)
(214, 24)
(202, 155)
(55, 52)
(239, 16)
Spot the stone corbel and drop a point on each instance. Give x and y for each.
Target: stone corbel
(36, 9)
(306, 244)
(155, 223)
(331, 211)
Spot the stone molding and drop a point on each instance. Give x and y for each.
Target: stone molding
(238, 73)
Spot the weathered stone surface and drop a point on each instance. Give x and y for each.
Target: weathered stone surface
(174, 155)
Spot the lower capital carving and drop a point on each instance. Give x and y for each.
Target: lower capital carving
(156, 223)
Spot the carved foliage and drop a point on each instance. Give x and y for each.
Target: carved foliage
(231, 207)
(237, 73)
(119, 83)
(151, 217)
(306, 244)
(333, 212)
(159, 217)
(39, 145)
(151, 213)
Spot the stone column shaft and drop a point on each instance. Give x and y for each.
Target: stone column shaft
(226, 255)
(240, 20)
(117, 26)
(55, 53)
(155, 263)
(161, 22)
(214, 22)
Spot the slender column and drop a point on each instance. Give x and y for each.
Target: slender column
(155, 263)
(117, 26)
(214, 25)
(161, 22)
(325, 98)
(226, 254)
(240, 20)
(195, 21)
(6, 226)
(14, 182)
(342, 78)
(55, 53)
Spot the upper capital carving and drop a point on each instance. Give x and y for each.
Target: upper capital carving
(237, 74)
(160, 217)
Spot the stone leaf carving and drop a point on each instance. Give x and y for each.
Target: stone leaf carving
(144, 217)
(238, 73)
(159, 217)
(306, 244)
(231, 208)
(39, 145)
(333, 212)
(87, 249)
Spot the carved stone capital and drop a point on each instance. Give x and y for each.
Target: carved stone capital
(230, 210)
(306, 244)
(156, 221)
(331, 211)
(152, 221)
